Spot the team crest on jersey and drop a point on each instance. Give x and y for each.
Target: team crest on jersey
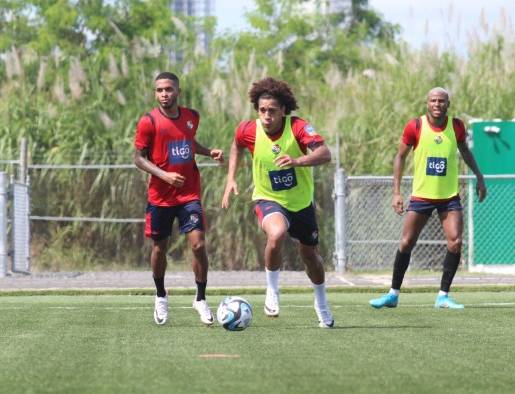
(276, 149)
(189, 123)
(309, 129)
(438, 139)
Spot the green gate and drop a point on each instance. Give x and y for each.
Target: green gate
(491, 228)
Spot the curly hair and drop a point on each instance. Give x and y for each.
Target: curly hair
(273, 88)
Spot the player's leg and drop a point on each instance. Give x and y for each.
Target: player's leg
(413, 224)
(273, 221)
(191, 223)
(158, 226)
(316, 273)
(304, 229)
(452, 223)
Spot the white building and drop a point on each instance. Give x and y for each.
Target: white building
(326, 6)
(199, 9)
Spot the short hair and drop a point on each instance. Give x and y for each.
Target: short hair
(439, 89)
(167, 75)
(273, 88)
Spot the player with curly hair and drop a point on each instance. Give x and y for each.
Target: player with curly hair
(283, 149)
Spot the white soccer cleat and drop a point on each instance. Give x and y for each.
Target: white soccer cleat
(271, 303)
(204, 312)
(325, 317)
(161, 310)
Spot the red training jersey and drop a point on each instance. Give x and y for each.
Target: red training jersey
(171, 146)
(411, 136)
(303, 132)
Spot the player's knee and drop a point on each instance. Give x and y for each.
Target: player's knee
(159, 248)
(274, 239)
(455, 244)
(198, 246)
(407, 244)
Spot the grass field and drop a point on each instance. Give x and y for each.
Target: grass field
(109, 344)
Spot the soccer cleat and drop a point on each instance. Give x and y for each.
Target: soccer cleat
(325, 317)
(271, 303)
(387, 300)
(204, 312)
(445, 301)
(161, 310)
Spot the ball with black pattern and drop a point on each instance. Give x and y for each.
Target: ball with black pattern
(234, 313)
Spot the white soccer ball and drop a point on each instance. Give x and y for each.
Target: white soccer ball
(234, 313)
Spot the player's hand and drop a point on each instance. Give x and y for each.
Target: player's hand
(232, 187)
(398, 204)
(217, 154)
(481, 189)
(285, 161)
(174, 179)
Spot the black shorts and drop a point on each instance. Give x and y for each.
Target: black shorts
(302, 225)
(159, 220)
(427, 207)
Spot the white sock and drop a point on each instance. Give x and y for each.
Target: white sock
(320, 294)
(442, 293)
(272, 279)
(394, 292)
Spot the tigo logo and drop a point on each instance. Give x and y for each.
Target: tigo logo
(180, 152)
(283, 179)
(436, 166)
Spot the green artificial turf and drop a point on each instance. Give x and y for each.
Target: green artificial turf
(110, 344)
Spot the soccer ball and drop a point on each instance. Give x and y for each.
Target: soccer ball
(234, 313)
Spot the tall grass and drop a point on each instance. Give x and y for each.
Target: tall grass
(84, 110)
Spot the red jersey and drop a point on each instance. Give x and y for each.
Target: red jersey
(411, 133)
(304, 133)
(171, 146)
(411, 136)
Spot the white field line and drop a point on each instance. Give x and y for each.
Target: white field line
(343, 280)
(481, 304)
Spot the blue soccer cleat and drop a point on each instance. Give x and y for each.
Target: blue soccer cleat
(444, 301)
(387, 300)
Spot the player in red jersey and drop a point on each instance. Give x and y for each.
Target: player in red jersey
(166, 146)
(435, 139)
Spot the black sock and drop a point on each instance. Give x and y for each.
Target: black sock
(400, 266)
(450, 266)
(201, 290)
(160, 286)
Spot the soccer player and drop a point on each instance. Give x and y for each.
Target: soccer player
(283, 148)
(166, 146)
(435, 139)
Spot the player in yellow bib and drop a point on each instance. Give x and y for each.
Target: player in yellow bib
(283, 148)
(435, 139)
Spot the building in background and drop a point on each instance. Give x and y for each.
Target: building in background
(198, 9)
(326, 6)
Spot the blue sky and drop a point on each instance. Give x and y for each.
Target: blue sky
(446, 23)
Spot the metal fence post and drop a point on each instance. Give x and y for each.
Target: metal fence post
(21, 227)
(339, 220)
(3, 224)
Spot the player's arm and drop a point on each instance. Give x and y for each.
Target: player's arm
(469, 159)
(398, 169)
(231, 185)
(215, 154)
(319, 154)
(143, 163)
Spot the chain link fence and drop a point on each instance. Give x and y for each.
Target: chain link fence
(95, 216)
(372, 230)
